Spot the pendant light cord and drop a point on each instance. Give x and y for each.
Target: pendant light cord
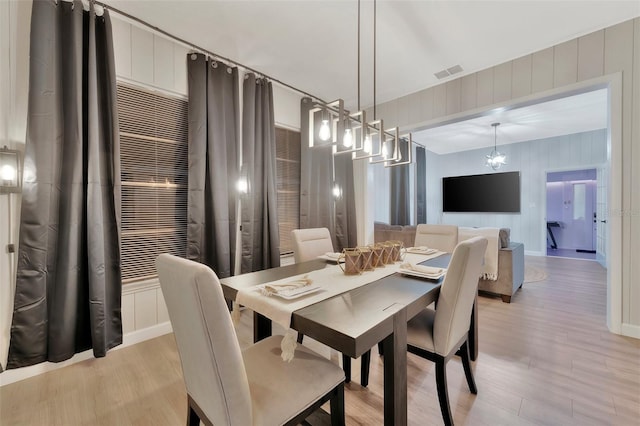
(374, 60)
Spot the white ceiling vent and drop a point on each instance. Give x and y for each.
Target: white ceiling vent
(448, 72)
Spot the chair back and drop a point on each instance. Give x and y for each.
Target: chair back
(210, 355)
(310, 243)
(441, 237)
(457, 294)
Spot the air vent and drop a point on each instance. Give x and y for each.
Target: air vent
(448, 72)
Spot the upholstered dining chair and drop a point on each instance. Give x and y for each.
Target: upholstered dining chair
(307, 245)
(310, 243)
(439, 334)
(441, 237)
(227, 386)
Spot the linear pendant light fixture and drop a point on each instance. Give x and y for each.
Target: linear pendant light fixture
(495, 159)
(351, 133)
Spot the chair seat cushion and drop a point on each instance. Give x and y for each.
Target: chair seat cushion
(420, 330)
(280, 390)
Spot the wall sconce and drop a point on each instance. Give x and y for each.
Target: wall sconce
(10, 171)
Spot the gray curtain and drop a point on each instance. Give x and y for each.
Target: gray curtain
(318, 208)
(421, 185)
(68, 286)
(260, 237)
(213, 165)
(400, 208)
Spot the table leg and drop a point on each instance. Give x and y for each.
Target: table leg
(395, 372)
(473, 331)
(261, 327)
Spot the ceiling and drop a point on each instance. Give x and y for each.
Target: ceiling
(312, 45)
(565, 116)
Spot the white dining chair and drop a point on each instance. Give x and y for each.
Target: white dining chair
(441, 237)
(227, 386)
(308, 244)
(439, 334)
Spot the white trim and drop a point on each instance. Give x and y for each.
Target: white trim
(137, 84)
(287, 126)
(613, 82)
(534, 253)
(129, 339)
(630, 330)
(139, 286)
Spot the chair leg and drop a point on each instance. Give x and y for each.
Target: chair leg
(346, 366)
(443, 395)
(300, 336)
(192, 417)
(336, 405)
(380, 349)
(466, 364)
(365, 361)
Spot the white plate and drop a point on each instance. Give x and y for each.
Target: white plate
(330, 258)
(417, 250)
(422, 275)
(294, 293)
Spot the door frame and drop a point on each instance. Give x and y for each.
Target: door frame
(544, 176)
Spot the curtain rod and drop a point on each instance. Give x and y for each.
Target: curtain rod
(212, 54)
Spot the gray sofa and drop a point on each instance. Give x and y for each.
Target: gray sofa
(510, 258)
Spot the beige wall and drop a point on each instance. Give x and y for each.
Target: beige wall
(613, 50)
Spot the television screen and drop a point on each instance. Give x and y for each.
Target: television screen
(491, 193)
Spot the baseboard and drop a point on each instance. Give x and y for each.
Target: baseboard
(534, 253)
(129, 339)
(630, 330)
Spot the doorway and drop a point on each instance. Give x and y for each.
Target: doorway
(572, 221)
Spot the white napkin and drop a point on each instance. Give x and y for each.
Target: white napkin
(332, 255)
(421, 250)
(271, 289)
(427, 270)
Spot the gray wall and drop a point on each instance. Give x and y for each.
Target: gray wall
(615, 49)
(532, 159)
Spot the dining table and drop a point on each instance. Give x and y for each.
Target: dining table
(356, 320)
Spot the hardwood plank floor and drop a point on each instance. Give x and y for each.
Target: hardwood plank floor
(545, 358)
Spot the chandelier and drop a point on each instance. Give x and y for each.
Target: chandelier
(495, 159)
(351, 133)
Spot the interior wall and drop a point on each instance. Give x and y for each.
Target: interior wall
(15, 17)
(532, 159)
(613, 50)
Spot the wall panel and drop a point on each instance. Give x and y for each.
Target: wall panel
(484, 87)
(591, 55)
(542, 70)
(453, 96)
(502, 81)
(565, 63)
(142, 64)
(468, 89)
(521, 77)
(619, 50)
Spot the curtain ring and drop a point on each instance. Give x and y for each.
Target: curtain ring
(214, 64)
(194, 56)
(229, 70)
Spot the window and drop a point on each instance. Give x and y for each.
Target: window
(153, 154)
(287, 185)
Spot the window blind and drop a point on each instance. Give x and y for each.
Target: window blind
(154, 162)
(288, 185)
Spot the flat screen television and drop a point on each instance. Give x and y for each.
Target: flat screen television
(490, 193)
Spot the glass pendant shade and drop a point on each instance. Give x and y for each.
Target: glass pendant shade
(495, 159)
(325, 132)
(347, 139)
(367, 145)
(385, 153)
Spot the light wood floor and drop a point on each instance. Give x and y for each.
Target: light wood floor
(546, 358)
